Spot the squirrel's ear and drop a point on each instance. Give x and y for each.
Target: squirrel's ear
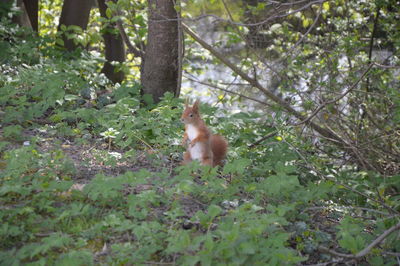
(196, 105)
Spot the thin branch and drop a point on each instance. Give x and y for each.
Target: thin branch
(386, 66)
(234, 84)
(371, 43)
(367, 249)
(372, 210)
(228, 91)
(321, 175)
(361, 122)
(316, 111)
(181, 47)
(131, 48)
(346, 208)
(262, 139)
(247, 43)
(323, 131)
(288, 4)
(396, 254)
(307, 32)
(159, 263)
(281, 14)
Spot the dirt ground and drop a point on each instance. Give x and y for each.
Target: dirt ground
(88, 159)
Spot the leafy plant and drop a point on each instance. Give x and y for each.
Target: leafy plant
(277, 200)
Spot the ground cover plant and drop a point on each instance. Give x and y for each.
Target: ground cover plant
(89, 175)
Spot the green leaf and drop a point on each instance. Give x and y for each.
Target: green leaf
(307, 22)
(75, 28)
(213, 211)
(247, 248)
(71, 97)
(60, 41)
(326, 6)
(236, 166)
(79, 258)
(275, 27)
(350, 235)
(280, 184)
(108, 13)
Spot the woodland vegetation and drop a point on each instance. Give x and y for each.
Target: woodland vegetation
(307, 93)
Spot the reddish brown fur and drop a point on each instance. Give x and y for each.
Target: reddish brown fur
(214, 146)
(219, 148)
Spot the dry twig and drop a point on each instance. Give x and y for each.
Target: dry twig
(367, 249)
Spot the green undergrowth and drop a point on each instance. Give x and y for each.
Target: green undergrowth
(276, 203)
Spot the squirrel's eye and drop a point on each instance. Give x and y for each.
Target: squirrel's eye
(191, 115)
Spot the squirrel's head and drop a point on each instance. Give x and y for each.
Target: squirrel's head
(191, 114)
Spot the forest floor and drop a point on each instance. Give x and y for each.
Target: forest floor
(89, 159)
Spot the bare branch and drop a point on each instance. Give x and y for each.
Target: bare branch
(131, 48)
(252, 50)
(307, 32)
(228, 91)
(181, 47)
(396, 254)
(366, 250)
(321, 175)
(386, 66)
(316, 111)
(262, 139)
(281, 14)
(323, 131)
(371, 41)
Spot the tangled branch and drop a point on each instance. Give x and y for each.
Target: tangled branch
(327, 133)
(367, 249)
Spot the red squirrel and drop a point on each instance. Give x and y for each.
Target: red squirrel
(203, 146)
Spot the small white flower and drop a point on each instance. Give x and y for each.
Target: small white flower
(116, 155)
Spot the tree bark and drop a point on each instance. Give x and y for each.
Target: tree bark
(32, 9)
(114, 47)
(22, 18)
(160, 68)
(74, 12)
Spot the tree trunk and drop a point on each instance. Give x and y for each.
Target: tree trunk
(22, 18)
(160, 69)
(114, 48)
(32, 9)
(74, 12)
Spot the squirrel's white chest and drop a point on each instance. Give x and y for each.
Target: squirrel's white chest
(192, 132)
(196, 151)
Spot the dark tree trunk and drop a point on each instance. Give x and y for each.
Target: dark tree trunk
(74, 12)
(22, 18)
(160, 68)
(32, 9)
(114, 47)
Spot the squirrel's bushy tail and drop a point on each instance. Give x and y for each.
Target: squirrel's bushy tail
(219, 148)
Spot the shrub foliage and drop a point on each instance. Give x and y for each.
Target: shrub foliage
(278, 202)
